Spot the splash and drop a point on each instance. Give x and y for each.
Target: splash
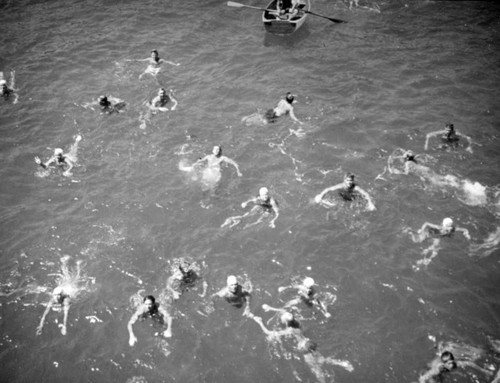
(490, 244)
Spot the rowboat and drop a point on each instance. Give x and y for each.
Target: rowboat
(281, 25)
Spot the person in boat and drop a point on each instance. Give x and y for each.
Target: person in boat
(8, 90)
(61, 159)
(154, 63)
(107, 104)
(449, 136)
(235, 294)
(287, 9)
(215, 159)
(263, 202)
(161, 100)
(348, 190)
(285, 106)
(149, 309)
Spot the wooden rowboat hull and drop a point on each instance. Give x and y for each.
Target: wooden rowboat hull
(277, 26)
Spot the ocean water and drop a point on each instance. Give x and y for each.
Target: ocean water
(380, 82)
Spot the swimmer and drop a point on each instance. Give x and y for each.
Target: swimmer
(7, 90)
(161, 100)
(235, 294)
(448, 136)
(445, 363)
(306, 294)
(61, 159)
(284, 107)
(149, 308)
(183, 278)
(263, 202)
(216, 158)
(107, 104)
(436, 232)
(348, 190)
(62, 294)
(154, 63)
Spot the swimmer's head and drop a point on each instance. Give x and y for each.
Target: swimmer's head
(58, 152)
(409, 156)
(450, 127)
(289, 97)
(103, 100)
(162, 92)
(308, 282)
(349, 179)
(217, 150)
(232, 280)
(264, 193)
(149, 298)
(286, 318)
(448, 360)
(154, 53)
(3, 82)
(57, 291)
(447, 223)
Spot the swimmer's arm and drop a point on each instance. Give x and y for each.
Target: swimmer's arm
(230, 161)
(51, 159)
(464, 231)
(244, 204)
(371, 205)
(174, 293)
(469, 148)
(320, 196)
(292, 116)
(432, 134)
(42, 321)
(221, 293)
(426, 226)
(466, 363)
(201, 160)
(70, 164)
(133, 319)
(247, 296)
(276, 212)
(170, 62)
(66, 304)
(174, 101)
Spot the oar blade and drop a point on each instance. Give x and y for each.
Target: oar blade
(233, 4)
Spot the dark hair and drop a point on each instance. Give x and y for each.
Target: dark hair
(154, 51)
(448, 355)
(149, 298)
(450, 125)
(349, 175)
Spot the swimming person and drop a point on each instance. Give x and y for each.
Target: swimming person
(7, 90)
(61, 159)
(306, 294)
(212, 174)
(183, 277)
(472, 193)
(235, 294)
(449, 136)
(69, 284)
(157, 104)
(285, 106)
(436, 232)
(263, 202)
(107, 104)
(348, 190)
(149, 309)
(154, 63)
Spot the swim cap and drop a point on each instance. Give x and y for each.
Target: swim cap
(286, 317)
(2, 82)
(447, 222)
(308, 282)
(231, 280)
(263, 190)
(58, 151)
(58, 290)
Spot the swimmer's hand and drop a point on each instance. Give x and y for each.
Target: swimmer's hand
(371, 207)
(317, 199)
(265, 307)
(78, 138)
(63, 330)
(167, 333)
(39, 330)
(272, 225)
(67, 173)
(239, 174)
(39, 162)
(163, 109)
(132, 340)
(244, 205)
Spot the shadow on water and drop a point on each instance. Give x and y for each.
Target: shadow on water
(287, 41)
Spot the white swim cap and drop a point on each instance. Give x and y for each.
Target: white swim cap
(263, 190)
(58, 151)
(231, 280)
(447, 222)
(286, 317)
(308, 282)
(2, 82)
(58, 290)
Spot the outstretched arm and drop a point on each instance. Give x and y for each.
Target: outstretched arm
(371, 205)
(246, 311)
(174, 101)
(244, 204)
(276, 212)
(70, 164)
(132, 338)
(432, 134)
(166, 316)
(66, 305)
(42, 321)
(469, 148)
(201, 160)
(320, 196)
(230, 161)
(170, 62)
(292, 116)
(464, 231)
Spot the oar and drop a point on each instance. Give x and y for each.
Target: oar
(329, 18)
(239, 5)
